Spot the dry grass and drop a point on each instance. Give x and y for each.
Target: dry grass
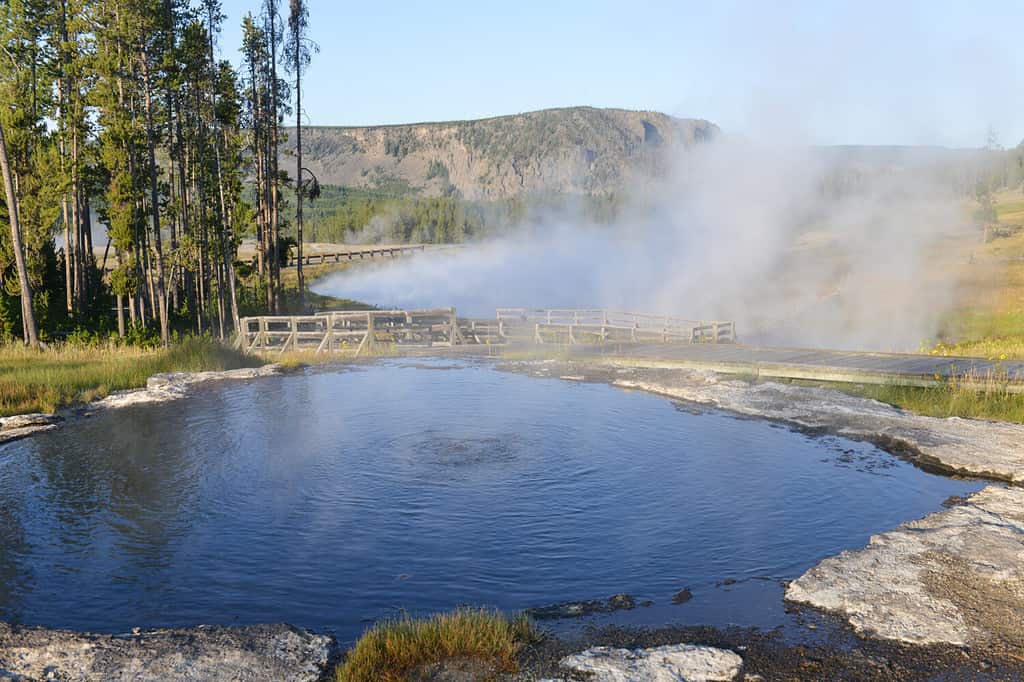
(989, 319)
(393, 651)
(43, 381)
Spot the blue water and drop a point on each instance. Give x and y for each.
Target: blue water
(331, 499)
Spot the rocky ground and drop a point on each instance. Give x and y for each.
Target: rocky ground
(175, 385)
(257, 652)
(23, 425)
(610, 654)
(658, 664)
(953, 577)
(773, 655)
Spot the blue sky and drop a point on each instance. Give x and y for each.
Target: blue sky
(825, 72)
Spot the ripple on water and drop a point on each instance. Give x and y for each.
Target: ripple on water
(329, 499)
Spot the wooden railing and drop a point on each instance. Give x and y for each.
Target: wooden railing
(361, 331)
(355, 254)
(356, 331)
(598, 325)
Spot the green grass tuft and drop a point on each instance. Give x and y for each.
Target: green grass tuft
(393, 650)
(46, 380)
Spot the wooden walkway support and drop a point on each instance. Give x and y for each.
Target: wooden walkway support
(361, 331)
(356, 254)
(356, 331)
(598, 325)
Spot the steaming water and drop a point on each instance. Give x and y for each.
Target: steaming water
(479, 278)
(332, 499)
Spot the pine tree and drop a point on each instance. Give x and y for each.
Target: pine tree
(298, 50)
(148, 27)
(31, 331)
(27, 164)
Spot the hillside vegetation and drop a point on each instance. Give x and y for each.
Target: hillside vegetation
(346, 214)
(578, 150)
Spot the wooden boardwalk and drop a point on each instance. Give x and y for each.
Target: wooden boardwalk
(814, 364)
(600, 325)
(356, 253)
(361, 331)
(615, 337)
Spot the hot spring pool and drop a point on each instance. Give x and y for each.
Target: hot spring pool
(330, 499)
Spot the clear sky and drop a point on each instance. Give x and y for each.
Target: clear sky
(824, 72)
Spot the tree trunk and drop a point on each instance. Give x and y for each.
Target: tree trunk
(89, 257)
(120, 316)
(298, 176)
(76, 232)
(28, 312)
(120, 303)
(231, 278)
(161, 296)
(274, 228)
(69, 280)
(63, 100)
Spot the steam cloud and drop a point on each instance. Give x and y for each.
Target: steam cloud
(761, 235)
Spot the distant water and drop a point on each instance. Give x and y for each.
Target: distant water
(332, 499)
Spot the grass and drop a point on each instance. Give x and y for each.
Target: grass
(954, 398)
(981, 332)
(392, 651)
(996, 347)
(989, 318)
(46, 380)
(989, 323)
(968, 397)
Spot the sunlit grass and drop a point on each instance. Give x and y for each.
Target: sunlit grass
(994, 346)
(1010, 208)
(393, 650)
(45, 380)
(973, 396)
(952, 399)
(989, 318)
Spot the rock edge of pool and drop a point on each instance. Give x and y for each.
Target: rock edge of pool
(941, 594)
